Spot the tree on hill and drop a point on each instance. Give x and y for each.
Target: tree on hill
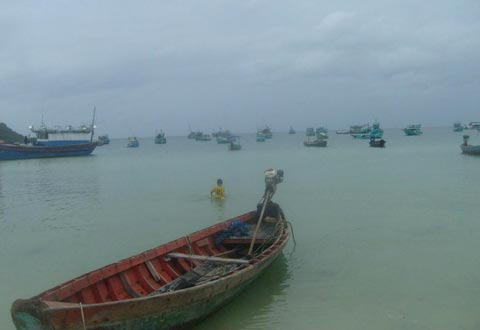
(8, 135)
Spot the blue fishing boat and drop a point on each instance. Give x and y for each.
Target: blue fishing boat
(260, 137)
(375, 131)
(412, 130)
(52, 142)
(360, 129)
(222, 137)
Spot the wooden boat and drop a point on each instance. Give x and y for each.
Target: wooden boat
(15, 151)
(171, 286)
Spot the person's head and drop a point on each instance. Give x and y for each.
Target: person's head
(219, 182)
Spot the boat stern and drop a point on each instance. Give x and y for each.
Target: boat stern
(27, 315)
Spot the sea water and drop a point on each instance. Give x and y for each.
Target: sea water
(386, 238)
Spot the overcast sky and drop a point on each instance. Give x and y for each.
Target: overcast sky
(148, 65)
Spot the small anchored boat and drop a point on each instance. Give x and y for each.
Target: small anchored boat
(291, 131)
(375, 143)
(234, 143)
(458, 127)
(260, 137)
(203, 137)
(171, 286)
(468, 148)
(103, 139)
(133, 142)
(266, 132)
(412, 130)
(160, 138)
(314, 138)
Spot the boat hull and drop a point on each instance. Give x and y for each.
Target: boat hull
(176, 311)
(12, 152)
(158, 311)
(470, 150)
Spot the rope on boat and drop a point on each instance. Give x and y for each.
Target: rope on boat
(83, 317)
(293, 234)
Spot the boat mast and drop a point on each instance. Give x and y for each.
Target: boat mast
(93, 125)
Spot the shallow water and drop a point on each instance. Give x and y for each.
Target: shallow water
(386, 238)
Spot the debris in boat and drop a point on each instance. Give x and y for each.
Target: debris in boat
(236, 229)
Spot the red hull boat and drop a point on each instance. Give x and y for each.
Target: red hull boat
(168, 287)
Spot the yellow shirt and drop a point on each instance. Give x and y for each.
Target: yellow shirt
(218, 192)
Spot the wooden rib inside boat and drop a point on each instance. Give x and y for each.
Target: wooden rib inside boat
(168, 287)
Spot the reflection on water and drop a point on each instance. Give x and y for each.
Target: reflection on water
(257, 306)
(42, 194)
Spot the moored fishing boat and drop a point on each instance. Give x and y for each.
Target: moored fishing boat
(374, 143)
(52, 142)
(132, 142)
(312, 138)
(171, 286)
(103, 139)
(203, 137)
(234, 143)
(266, 132)
(360, 129)
(412, 130)
(291, 131)
(160, 138)
(458, 127)
(260, 137)
(374, 131)
(468, 148)
(321, 133)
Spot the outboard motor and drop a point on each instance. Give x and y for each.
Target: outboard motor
(272, 178)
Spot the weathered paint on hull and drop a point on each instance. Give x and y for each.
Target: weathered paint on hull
(175, 311)
(12, 152)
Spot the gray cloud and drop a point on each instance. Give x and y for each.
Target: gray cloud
(239, 64)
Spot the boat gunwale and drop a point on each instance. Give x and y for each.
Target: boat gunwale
(53, 306)
(142, 257)
(58, 306)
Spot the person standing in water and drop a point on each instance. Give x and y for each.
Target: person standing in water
(218, 192)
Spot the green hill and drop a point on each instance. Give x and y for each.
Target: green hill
(8, 135)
